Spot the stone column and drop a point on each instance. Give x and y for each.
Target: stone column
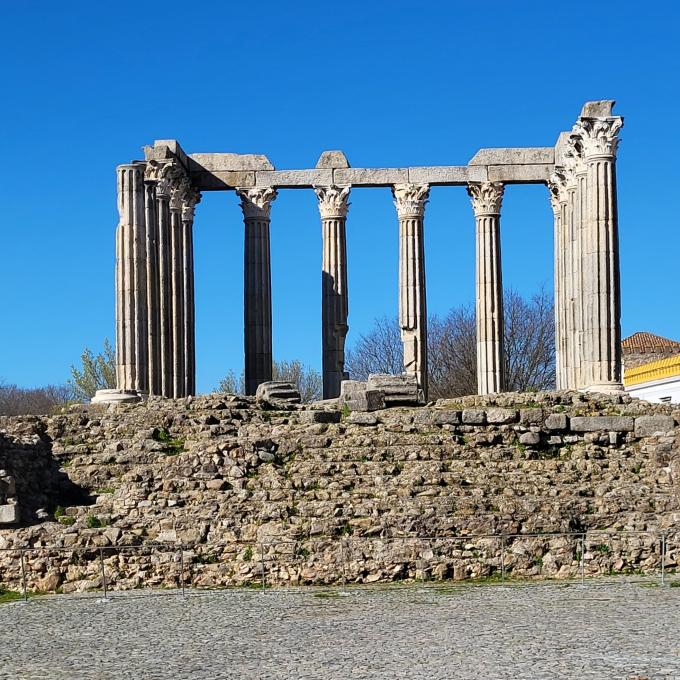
(256, 206)
(131, 309)
(163, 191)
(410, 200)
(333, 205)
(597, 133)
(486, 202)
(192, 197)
(177, 289)
(152, 285)
(558, 204)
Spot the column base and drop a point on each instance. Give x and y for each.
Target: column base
(605, 388)
(116, 397)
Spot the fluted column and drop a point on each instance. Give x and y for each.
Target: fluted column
(558, 204)
(333, 205)
(163, 191)
(598, 137)
(177, 289)
(410, 200)
(189, 317)
(486, 202)
(131, 308)
(256, 206)
(152, 285)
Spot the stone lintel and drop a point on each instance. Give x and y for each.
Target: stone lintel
(235, 162)
(380, 177)
(222, 180)
(294, 179)
(514, 156)
(520, 174)
(447, 174)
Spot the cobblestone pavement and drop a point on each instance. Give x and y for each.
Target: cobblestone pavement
(601, 630)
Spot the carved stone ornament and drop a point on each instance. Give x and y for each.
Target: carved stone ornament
(557, 188)
(599, 137)
(333, 201)
(486, 197)
(410, 199)
(256, 203)
(190, 199)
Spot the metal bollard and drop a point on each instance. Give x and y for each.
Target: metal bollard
(502, 559)
(663, 558)
(583, 558)
(342, 554)
(23, 576)
(101, 563)
(181, 568)
(264, 578)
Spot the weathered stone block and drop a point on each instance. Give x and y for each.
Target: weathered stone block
(294, 178)
(556, 421)
(519, 173)
(362, 419)
(531, 416)
(278, 390)
(447, 418)
(499, 416)
(474, 416)
(654, 426)
(443, 174)
(602, 424)
(370, 176)
(222, 179)
(332, 159)
(229, 161)
(514, 156)
(355, 395)
(396, 389)
(530, 438)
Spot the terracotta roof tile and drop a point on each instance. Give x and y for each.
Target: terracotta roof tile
(648, 342)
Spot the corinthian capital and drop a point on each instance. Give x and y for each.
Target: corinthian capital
(190, 199)
(410, 199)
(486, 197)
(557, 186)
(598, 137)
(256, 203)
(333, 201)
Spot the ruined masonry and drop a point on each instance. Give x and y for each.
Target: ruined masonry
(155, 270)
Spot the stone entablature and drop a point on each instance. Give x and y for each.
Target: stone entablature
(155, 306)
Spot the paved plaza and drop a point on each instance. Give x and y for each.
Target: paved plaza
(551, 630)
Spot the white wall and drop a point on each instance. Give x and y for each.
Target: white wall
(657, 390)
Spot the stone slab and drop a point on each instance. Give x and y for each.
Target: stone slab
(654, 426)
(598, 109)
(401, 389)
(216, 181)
(294, 179)
(9, 513)
(229, 161)
(472, 416)
(514, 156)
(556, 421)
(519, 174)
(440, 174)
(602, 424)
(500, 416)
(163, 149)
(332, 159)
(370, 176)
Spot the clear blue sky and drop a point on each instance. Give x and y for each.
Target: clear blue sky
(86, 84)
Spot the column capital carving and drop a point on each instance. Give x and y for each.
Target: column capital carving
(256, 203)
(557, 186)
(333, 201)
(486, 197)
(190, 199)
(597, 137)
(410, 199)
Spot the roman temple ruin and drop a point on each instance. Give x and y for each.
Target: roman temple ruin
(157, 198)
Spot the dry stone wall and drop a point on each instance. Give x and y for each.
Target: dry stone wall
(221, 490)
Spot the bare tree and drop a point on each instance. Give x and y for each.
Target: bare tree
(308, 380)
(452, 348)
(19, 401)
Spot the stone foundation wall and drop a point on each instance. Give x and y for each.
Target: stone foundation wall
(219, 490)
